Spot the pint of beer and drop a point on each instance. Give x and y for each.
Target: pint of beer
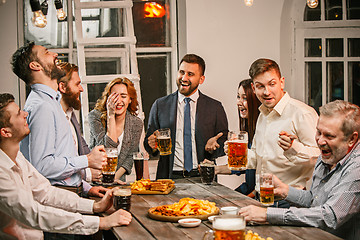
(227, 227)
(108, 170)
(138, 158)
(237, 150)
(207, 172)
(163, 141)
(266, 189)
(122, 197)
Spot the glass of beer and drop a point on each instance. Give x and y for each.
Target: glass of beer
(230, 227)
(266, 189)
(237, 150)
(207, 173)
(163, 141)
(109, 169)
(138, 158)
(122, 197)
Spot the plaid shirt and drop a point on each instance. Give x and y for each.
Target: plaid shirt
(333, 202)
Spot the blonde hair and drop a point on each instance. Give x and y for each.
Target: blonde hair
(101, 102)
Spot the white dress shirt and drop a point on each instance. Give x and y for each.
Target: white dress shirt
(179, 141)
(29, 204)
(293, 166)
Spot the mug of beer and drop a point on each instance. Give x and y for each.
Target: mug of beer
(237, 150)
(122, 197)
(109, 169)
(163, 141)
(138, 158)
(207, 172)
(227, 227)
(266, 189)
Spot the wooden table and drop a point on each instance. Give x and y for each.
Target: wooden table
(143, 227)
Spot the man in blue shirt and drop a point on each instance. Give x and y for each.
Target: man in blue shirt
(50, 147)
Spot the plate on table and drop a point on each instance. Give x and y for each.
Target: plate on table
(146, 186)
(163, 218)
(167, 191)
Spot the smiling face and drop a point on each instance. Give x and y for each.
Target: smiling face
(72, 92)
(124, 98)
(242, 103)
(189, 77)
(269, 88)
(18, 125)
(48, 60)
(331, 139)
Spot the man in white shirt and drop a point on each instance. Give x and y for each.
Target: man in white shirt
(284, 141)
(28, 203)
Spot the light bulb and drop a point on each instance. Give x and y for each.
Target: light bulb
(248, 3)
(60, 13)
(38, 19)
(312, 3)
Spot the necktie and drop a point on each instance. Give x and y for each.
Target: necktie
(188, 165)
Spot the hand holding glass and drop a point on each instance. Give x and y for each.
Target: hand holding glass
(163, 141)
(266, 189)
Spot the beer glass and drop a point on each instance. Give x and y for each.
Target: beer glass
(229, 227)
(266, 189)
(237, 150)
(122, 197)
(138, 158)
(109, 169)
(163, 141)
(207, 173)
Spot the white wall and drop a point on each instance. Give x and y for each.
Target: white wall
(8, 43)
(230, 36)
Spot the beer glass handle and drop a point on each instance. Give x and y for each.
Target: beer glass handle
(209, 235)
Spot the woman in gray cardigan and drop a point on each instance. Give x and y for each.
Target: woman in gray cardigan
(113, 123)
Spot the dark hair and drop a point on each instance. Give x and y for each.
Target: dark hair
(253, 104)
(5, 99)
(263, 65)
(21, 60)
(193, 58)
(69, 69)
(101, 102)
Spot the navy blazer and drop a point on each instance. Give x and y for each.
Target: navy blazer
(209, 121)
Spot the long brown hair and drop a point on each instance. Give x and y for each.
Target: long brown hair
(101, 102)
(253, 104)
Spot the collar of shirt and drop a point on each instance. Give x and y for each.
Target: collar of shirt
(194, 97)
(279, 107)
(8, 163)
(47, 90)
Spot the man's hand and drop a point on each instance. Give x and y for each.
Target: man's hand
(98, 191)
(280, 189)
(104, 204)
(96, 175)
(253, 213)
(97, 157)
(212, 144)
(223, 169)
(152, 141)
(286, 140)
(118, 218)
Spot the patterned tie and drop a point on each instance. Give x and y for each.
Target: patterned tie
(187, 137)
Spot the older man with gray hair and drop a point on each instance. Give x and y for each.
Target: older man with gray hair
(333, 202)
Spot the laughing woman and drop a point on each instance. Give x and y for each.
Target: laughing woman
(113, 123)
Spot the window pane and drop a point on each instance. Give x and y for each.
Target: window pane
(153, 71)
(354, 82)
(354, 47)
(102, 66)
(151, 23)
(53, 35)
(312, 14)
(335, 47)
(313, 47)
(353, 9)
(333, 10)
(94, 93)
(335, 76)
(314, 85)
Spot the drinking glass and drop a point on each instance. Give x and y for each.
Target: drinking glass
(237, 150)
(163, 141)
(109, 169)
(266, 189)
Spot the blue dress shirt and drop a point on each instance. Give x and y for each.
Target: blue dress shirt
(50, 146)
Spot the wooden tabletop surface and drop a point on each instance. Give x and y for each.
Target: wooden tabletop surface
(143, 227)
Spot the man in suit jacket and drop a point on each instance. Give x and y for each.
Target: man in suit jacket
(70, 89)
(209, 124)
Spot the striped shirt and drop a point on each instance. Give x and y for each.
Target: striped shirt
(333, 202)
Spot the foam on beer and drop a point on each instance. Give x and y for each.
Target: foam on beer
(229, 224)
(122, 192)
(163, 137)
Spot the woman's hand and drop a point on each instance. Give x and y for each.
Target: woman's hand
(111, 103)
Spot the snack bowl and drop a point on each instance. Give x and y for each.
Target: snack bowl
(189, 222)
(211, 218)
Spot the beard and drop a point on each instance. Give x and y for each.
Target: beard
(52, 71)
(72, 99)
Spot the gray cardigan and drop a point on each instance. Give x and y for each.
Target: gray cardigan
(132, 132)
